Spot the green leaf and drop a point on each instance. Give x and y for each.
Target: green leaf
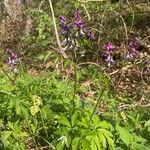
(60, 146)
(75, 143)
(24, 112)
(125, 136)
(74, 118)
(47, 56)
(33, 128)
(139, 139)
(105, 132)
(103, 124)
(46, 112)
(102, 139)
(6, 92)
(69, 139)
(149, 129)
(147, 123)
(97, 141)
(93, 145)
(110, 142)
(6, 135)
(22, 134)
(64, 121)
(85, 144)
(138, 146)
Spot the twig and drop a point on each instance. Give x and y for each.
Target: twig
(87, 63)
(84, 1)
(56, 31)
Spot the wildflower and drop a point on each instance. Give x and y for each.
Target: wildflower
(36, 103)
(64, 27)
(90, 35)
(108, 47)
(78, 21)
(12, 58)
(62, 20)
(134, 45)
(109, 59)
(133, 49)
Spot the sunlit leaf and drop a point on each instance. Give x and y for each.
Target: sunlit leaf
(125, 136)
(64, 121)
(74, 118)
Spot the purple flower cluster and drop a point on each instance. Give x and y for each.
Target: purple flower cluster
(12, 58)
(109, 52)
(133, 49)
(90, 35)
(78, 21)
(73, 31)
(108, 48)
(64, 27)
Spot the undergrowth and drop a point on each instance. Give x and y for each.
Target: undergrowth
(75, 75)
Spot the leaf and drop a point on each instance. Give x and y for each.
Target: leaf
(149, 129)
(138, 146)
(125, 136)
(6, 92)
(33, 128)
(47, 56)
(75, 143)
(60, 146)
(110, 142)
(23, 134)
(147, 123)
(64, 121)
(139, 139)
(69, 139)
(18, 107)
(6, 135)
(97, 141)
(25, 112)
(102, 139)
(93, 145)
(74, 118)
(106, 132)
(96, 120)
(46, 112)
(85, 144)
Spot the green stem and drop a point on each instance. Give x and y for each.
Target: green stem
(44, 125)
(96, 105)
(75, 86)
(5, 72)
(32, 136)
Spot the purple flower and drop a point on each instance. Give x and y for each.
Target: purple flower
(12, 58)
(90, 35)
(78, 21)
(108, 47)
(77, 14)
(133, 49)
(64, 27)
(134, 45)
(109, 59)
(62, 20)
